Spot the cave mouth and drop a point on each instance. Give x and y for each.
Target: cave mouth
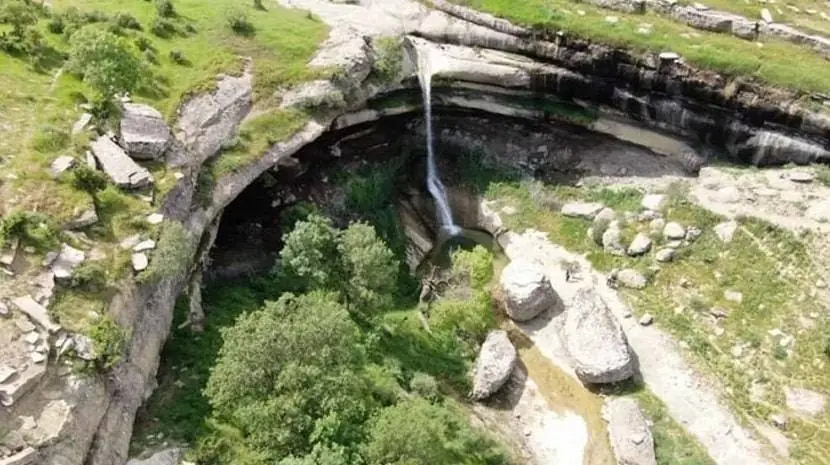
(375, 171)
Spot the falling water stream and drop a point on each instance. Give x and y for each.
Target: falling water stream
(434, 185)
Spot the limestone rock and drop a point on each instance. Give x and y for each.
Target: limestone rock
(585, 210)
(766, 15)
(692, 233)
(805, 401)
(123, 171)
(801, 176)
(665, 255)
(84, 348)
(80, 125)
(628, 432)
(36, 313)
(640, 245)
(313, 95)
(646, 320)
(15, 388)
(6, 372)
(144, 246)
(595, 340)
(726, 230)
(733, 296)
(605, 215)
(707, 20)
(654, 202)
(144, 134)
(155, 218)
(165, 457)
(632, 279)
(68, 259)
(527, 290)
(27, 456)
(494, 364)
(87, 218)
(674, 231)
(210, 120)
(61, 164)
(140, 261)
(612, 241)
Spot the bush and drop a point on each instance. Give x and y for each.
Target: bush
(468, 319)
(163, 28)
(165, 9)
(390, 58)
(150, 56)
(258, 5)
(105, 61)
(143, 44)
(89, 180)
(32, 228)
(91, 276)
(49, 139)
(109, 341)
(56, 25)
(476, 264)
(177, 57)
(23, 38)
(239, 23)
(425, 386)
(127, 21)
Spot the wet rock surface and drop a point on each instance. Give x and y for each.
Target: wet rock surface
(527, 291)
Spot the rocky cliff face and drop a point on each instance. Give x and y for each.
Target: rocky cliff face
(487, 65)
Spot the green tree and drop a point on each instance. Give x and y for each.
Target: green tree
(106, 62)
(289, 376)
(19, 14)
(355, 262)
(417, 432)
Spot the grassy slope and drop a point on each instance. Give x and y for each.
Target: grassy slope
(771, 267)
(801, 19)
(776, 62)
(35, 103)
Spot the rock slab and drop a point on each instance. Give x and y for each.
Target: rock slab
(36, 313)
(494, 364)
(582, 209)
(804, 401)
(629, 433)
(595, 341)
(144, 135)
(123, 171)
(640, 245)
(527, 290)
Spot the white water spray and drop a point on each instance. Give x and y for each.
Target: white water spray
(434, 185)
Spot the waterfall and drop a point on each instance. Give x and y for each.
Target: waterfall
(434, 185)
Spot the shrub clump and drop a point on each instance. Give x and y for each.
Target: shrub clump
(425, 386)
(163, 28)
(177, 57)
(171, 255)
(165, 8)
(239, 23)
(48, 139)
(390, 58)
(105, 61)
(127, 21)
(32, 228)
(109, 341)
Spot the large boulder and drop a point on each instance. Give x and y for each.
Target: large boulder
(527, 290)
(144, 134)
(628, 432)
(494, 364)
(123, 171)
(595, 340)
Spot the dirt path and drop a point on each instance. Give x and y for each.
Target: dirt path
(691, 401)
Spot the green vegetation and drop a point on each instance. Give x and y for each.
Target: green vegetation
(172, 254)
(302, 379)
(776, 62)
(30, 228)
(105, 61)
(109, 342)
(390, 58)
(354, 262)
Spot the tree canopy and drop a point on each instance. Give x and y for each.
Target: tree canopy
(354, 262)
(106, 61)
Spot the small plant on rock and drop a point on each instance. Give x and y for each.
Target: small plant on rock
(109, 341)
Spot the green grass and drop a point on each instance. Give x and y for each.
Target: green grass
(256, 135)
(41, 104)
(777, 63)
(801, 19)
(772, 268)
